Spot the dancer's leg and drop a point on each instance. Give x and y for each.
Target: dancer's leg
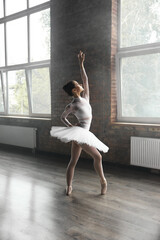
(75, 153)
(94, 153)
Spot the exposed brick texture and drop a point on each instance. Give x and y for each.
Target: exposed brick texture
(113, 60)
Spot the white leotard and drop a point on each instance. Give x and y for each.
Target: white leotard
(81, 108)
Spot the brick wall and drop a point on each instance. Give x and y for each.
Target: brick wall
(82, 25)
(92, 27)
(113, 60)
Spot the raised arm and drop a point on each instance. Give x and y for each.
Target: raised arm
(67, 111)
(81, 57)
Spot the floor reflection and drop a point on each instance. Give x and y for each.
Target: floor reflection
(26, 207)
(33, 204)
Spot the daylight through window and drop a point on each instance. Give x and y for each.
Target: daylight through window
(138, 61)
(25, 58)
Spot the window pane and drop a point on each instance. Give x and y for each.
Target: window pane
(36, 2)
(139, 22)
(40, 35)
(4, 83)
(140, 86)
(17, 92)
(2, 56)
(15, 6)
(1, 96)
(17, 41)
(1, 9)
(40, 91)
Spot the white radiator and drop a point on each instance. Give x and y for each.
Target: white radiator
(18, 136)
(145, 152)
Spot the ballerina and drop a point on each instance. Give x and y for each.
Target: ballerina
(79, 135)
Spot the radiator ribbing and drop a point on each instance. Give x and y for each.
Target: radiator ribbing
(145, 152)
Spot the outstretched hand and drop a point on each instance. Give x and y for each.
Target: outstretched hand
(81, 57)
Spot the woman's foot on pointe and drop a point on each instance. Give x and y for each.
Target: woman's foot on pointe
(68, 190)
(103, 187)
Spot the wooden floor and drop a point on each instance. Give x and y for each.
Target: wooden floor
(33, 205)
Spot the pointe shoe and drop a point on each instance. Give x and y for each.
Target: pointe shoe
(104, 187)
(68, 190)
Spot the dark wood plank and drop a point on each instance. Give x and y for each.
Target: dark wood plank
(33, 205)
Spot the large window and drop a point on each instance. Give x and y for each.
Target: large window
(138, 61)
(25, 58)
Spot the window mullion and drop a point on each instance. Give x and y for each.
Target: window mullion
(25, 12)
(2, 86)
(28, 76)
(5, 34)
(119, 24)
(4, 7)
(6, 110)
(119, 99)
(39, 64)
(28, 30)
(27, 4)
(5, 43)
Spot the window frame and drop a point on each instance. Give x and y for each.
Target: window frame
(3, 93)
(137, 50)
(29, 65)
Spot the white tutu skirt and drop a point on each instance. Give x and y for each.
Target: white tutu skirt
(78, 134)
